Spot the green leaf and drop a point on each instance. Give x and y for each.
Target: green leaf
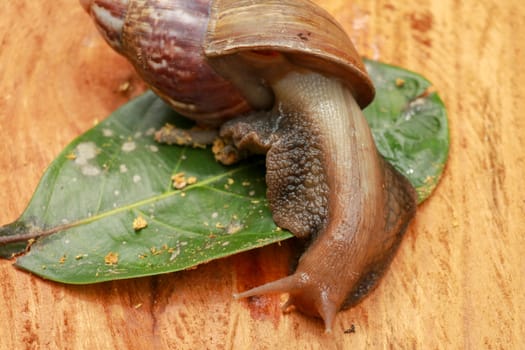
(409, 124)
(89, 197)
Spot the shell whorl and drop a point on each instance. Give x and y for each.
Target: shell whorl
(163, 40)
(109, 18)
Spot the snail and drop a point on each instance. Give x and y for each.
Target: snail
(280, 78)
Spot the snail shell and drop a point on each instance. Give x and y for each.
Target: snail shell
(303, 32)
(163, 40)
(170, 42)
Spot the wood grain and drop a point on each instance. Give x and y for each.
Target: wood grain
(458, 281)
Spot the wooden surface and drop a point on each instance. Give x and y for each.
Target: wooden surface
(458, 281)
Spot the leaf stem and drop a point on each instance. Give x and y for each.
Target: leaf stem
(5, 240)
(22, 237)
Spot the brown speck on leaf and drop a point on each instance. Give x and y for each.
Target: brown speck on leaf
(199, 145)
(155, 251)
(400, 82)
(192, 180)
(139, 223)
(430, 179)
(234, 227)
(179, 181)
(111, 258)
(62, 259)
(170, 134)
(196, 137)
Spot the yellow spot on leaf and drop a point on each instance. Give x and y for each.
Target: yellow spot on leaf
(139, 223)
(192, 180)
(179, 181)
(234, 227)
(111, 258)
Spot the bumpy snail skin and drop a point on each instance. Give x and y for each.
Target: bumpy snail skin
(297, 77)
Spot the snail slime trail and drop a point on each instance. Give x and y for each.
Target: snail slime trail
(270, 91)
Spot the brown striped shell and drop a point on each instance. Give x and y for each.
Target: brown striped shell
(302, 31)
(163, 40)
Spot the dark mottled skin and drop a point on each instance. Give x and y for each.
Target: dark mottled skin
(298, 191)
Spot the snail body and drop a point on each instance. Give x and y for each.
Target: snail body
(288, 84)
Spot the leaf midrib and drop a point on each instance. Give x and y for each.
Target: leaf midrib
(143, 202)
